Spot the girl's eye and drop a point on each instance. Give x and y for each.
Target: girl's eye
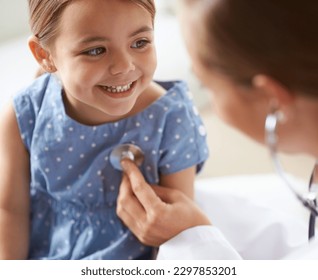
(95, 51)
(140, 44)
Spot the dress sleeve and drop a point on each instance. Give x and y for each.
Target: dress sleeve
(198, 243)
(184, 139)
(27, 105)
(25, 115)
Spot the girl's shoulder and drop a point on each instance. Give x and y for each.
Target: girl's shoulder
(177, 98)
(161, 93)
(33, 95)
(176, 91)
(29, 102)
(35, 90)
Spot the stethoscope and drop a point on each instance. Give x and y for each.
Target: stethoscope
(308, 199)
(130, 151)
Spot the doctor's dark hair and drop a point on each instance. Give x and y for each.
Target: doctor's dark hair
(44, 16)
(278, 38)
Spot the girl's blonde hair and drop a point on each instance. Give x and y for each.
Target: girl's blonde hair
(44, 16)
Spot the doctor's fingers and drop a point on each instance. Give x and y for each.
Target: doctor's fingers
(127, 201)
(145, 232)
(142, 190)
(134, 216)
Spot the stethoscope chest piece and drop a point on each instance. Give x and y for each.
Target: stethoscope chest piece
(123, 151)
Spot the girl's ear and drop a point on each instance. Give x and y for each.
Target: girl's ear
(41, 55)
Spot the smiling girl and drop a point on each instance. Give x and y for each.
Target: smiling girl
(58, 190)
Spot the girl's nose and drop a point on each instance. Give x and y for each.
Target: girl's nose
(121, 64)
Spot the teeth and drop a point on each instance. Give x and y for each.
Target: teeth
(116, 89)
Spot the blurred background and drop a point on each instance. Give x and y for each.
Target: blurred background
(231, 152)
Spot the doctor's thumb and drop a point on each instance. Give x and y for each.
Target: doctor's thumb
(125, 164)
(129, 167)
(131, 170)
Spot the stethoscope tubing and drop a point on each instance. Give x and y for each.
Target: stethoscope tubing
(307, 199)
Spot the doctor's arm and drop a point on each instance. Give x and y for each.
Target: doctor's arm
(14, 190)
(167, 217)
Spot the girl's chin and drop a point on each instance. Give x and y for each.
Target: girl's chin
(117, 114)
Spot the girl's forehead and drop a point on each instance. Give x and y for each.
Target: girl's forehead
(105, 10)
(104, 15)
(105, 6)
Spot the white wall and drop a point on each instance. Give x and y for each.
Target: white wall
(13, 19)
(14, 16)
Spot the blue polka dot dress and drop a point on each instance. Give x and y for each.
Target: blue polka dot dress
(73, 188)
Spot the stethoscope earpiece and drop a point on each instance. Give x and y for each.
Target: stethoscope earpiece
(123, 151)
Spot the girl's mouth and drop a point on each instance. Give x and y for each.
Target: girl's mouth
(118, 89)
(118, 92)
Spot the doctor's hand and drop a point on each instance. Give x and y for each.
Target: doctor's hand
(154, 214)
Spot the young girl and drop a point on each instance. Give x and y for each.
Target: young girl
(57, 136)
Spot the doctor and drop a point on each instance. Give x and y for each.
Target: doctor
(260, 61)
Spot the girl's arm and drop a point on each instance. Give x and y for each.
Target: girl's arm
(182, 180)
(14, 189)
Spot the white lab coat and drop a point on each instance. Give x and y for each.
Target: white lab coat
(254, 217)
